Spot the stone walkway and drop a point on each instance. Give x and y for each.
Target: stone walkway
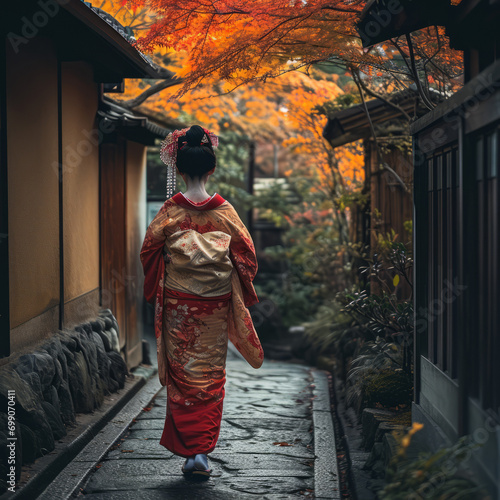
(266, 448)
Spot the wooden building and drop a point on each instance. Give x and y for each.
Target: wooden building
(389, 188)
(72, 175)
(123, 218)
(457, 235)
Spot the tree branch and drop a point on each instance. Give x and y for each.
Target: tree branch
(384, 164)
(418, 83)
(389, 103)
(154, 89)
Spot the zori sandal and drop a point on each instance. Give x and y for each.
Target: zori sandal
(201, 465)
(188, 466)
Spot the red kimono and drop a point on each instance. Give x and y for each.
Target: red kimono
(201, 297)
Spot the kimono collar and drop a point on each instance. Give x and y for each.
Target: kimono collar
(215, 201)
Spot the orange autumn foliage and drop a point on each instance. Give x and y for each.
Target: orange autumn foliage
(239, 41)
(136, 19)
(281, 110)
(234, 40)
(343, 166)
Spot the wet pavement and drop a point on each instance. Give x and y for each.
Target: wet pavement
(266, 448)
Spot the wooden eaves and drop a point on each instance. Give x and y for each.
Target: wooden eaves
(381, 20)
(351, 124)
(130, 125)
(80, 34)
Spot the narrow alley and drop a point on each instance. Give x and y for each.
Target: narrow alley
(266, 448)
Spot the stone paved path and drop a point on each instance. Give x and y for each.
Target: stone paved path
(265, 449)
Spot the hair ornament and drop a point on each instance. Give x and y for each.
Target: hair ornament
(168, 152)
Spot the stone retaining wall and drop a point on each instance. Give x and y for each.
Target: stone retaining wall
(70, 373)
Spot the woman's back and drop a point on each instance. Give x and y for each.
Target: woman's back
(199, 263)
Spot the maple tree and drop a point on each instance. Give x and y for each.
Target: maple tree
(280, 109)
(239, 42)
(234, 39)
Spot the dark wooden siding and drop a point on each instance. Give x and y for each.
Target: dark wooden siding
(487, 300)
(394, 203)
(461, 234)
(442, 202)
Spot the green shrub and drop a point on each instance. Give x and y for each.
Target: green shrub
(371, 359)
(388, 388)
(327, 327)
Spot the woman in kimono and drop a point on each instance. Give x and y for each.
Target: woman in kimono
(199, 263)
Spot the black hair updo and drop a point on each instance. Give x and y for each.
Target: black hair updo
(195, 157)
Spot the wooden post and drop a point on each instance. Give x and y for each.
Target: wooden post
(420, 265)
(467, 264)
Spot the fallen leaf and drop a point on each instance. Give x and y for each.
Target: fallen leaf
(282, 443)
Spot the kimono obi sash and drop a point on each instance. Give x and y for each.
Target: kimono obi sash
(200, 263)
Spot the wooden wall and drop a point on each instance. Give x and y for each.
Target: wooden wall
(112, 223)
(33, 191)
(80, 195)
(135, 231)
(388, 197)
(123, 225)
(457, 275)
